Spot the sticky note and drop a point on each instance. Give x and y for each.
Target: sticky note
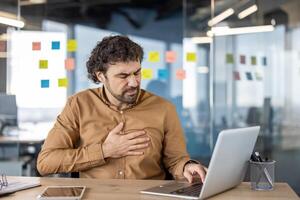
(253, 60)
(236, 76)
(36, 46)
(191, 57)
(147, 73)
(163, 74)
(2, 46)
(72, 45)
(242, 59)
(55, 45)
(43, 64)
(69, 64)
(249, 76)
(264, 61)
(229, 58)
(45, 83)
(258, 76)
(180, 74)
(153, 56)
(63, 82)
(170, 56)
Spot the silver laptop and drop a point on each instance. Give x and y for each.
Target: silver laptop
(226, 169)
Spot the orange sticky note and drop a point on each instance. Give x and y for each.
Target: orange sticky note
(69, 63)
(180, 74)
(72, 45)
(36, 46)
(191, 57)
(147, 73)
(63, 82)
(43, 64)
(170, 56)
(153, 56)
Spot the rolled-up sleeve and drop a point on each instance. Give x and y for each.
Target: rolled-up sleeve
(61, 152)
(175, 154)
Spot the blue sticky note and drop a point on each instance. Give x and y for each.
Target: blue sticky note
(45, 83)
(249, 76)
(55, 45)
(264, 61)
(163, 74)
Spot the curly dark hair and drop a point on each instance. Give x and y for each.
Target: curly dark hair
(110, 50)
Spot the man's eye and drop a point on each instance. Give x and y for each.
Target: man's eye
(122, 77)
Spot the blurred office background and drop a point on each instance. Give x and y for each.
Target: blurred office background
(223, 63)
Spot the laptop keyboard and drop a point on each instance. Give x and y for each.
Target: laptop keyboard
(193, 190)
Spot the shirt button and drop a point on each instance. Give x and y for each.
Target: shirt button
(120, 172)
(121, 111)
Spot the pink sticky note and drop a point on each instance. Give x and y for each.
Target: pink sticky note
(170, 56)
(2, 46)
(69, 63)
(242, 59)
(180, 74)
(236, 76)
(36, 46)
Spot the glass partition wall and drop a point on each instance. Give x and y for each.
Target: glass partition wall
(247, 73)
(230, 64)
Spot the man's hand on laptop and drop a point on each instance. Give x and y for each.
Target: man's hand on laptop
(192, 170)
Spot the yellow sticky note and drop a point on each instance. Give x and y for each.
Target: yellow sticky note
(72, 45)
(147, 73)
(69, 64)
(62, 82)
(153, 56)
(191, 57)
(43, 64)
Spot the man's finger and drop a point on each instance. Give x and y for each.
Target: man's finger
(139, 140)
(138, 146)
(188, 176)
(117, 129)
(134, 153)
(201, 171)
(133, 135)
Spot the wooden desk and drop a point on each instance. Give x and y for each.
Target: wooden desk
(129, 189)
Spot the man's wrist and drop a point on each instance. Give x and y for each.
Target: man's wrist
(190, 162)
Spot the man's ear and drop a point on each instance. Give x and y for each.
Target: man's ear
(100, 76)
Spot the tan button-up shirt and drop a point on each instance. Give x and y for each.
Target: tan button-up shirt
(75, 142)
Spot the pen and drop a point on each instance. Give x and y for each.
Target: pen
(257, 158)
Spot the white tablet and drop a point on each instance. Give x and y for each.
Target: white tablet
(62, 193)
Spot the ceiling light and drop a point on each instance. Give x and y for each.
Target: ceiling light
(31, 2)
(220, 17)
(220, 31)
(12, 22)
(247, 11)
(201, 40)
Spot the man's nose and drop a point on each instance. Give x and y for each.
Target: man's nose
(132, 81)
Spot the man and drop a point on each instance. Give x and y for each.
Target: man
(118, 130)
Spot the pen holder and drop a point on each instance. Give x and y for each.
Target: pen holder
(262, 175)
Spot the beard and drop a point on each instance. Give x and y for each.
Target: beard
(128, 96)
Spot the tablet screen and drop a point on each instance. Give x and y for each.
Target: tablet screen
(72, 191)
